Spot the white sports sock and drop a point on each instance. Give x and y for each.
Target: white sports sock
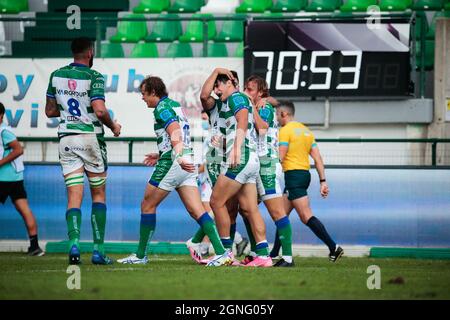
(287, 258)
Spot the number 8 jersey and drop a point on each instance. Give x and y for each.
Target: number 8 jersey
(74, 87)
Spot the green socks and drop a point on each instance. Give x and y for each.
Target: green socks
(209, 228)
(73, 219)
(98, 221)
(147, 228)
(250, 235)
(284, 232)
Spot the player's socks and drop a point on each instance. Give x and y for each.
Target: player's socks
(34, 243)
(232, 232)
(276, 246)
(250, 235)
(227, 243)
(198, 236)
(73, 219)
(147, 228)
(209, 228)
(98, 221)
(262, 249)
(284, 232)
(319, 230)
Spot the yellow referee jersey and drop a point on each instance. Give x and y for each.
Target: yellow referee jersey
(299, 140)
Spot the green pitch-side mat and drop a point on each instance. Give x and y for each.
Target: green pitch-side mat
(417, 253)
(120, 247)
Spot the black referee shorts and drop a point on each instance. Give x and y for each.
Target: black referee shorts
(13, 189)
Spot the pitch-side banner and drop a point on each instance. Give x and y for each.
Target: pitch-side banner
(23, 84)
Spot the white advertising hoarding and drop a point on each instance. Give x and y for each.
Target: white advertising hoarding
(23, 85)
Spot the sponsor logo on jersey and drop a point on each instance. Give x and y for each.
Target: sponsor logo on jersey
(72, 84)
(98, 85)
(64, 92)
(72, 118)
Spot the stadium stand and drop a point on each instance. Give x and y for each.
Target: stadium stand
(217, 49)
(179, 50)
(194, 30)
(186, 6)
(239, 50)
(431, 5)
(152, 6)
(395, 5)
(289, 5)
(357, 5)
(220, 6)
(13, 6)
(112, 50)
(144, 50)
(165, 30)
(130, 31)
(232, 30)
(253, 6)
(323, 5)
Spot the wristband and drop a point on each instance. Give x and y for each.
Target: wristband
(322, 180)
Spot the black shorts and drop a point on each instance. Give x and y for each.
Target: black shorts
(14, 189)
(297, 183)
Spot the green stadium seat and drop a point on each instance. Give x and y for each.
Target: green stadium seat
(179, 50)
(232, 30)
(420, 18)
(323, 5)
(254, 6)
(130, 31)
(144, 50)
(186, 6)
(432, 29)
(395, 5)
(194, 29)
(13, 6)
(239, 53)
(289, 5)
(152, 6)
(217, 49)
(357, 5)
(112, 50)
(431, 5)
(165, 30)
(429, 55)
(447, 6)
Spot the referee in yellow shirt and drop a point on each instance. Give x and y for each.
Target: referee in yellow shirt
(296, 144)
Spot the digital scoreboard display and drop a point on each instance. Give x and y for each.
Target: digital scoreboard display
(306, 59)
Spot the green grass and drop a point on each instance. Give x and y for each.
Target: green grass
(177, 277)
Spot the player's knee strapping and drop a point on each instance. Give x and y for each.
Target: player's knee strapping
(96, 182)
(74, 179)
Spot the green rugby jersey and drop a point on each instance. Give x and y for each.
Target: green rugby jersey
(166, 112)
(236, 102)
(74, 87)
(268, 143)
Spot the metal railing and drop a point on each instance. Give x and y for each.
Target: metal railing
(425, 157)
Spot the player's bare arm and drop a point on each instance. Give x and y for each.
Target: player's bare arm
(103, 115)
(16, 152)
(176, 140)
(318, 162)
(51, 108)
(207, 101)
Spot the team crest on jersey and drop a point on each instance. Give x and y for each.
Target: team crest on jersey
(72, 84)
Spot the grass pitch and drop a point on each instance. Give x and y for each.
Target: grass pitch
(177, 277)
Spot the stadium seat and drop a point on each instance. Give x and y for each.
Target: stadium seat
(432, 28)
(447, 6)
(144, 50)
(431, 5)
(217, 49)
(179, 50)
(130, 31)
(112, 50)
(165, 30)
(395, 5)
(152, 6)
(13, 6)
(194, 29)
(254, 6)
(239, 53)
(289, 5)
(323, 5)
(420, 18)
(232, 30)
(429, 55)
(220, 6)
(186, 6)
(357, 5)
